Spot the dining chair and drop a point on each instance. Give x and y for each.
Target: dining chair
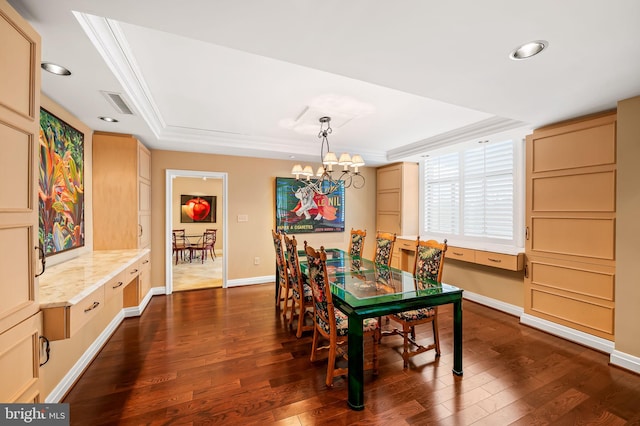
(429, 261)
(300, 288)
(330, 323)
(282, 296)
(178, 240)
(384, 247)
(213, 232)
(204, 246)
(356, 243)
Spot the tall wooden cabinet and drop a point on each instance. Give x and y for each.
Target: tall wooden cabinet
(397, 201)
(121, 192)
(571, 209)
(20, 320)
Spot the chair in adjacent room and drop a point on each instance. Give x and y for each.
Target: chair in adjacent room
(427, 268)
(282, 292)
(178, 240)
(384, 248)
(204, 246)
(300, 289)
(330, 323)
(212, 233)
(356, 243)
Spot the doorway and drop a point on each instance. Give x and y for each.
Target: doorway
(213, 272)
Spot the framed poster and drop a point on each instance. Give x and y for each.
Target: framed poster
(61, 185)
(300, 210)
(197, 208)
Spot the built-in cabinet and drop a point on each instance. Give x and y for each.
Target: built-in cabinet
(121, 192)
(570, 218)
(397, 201)
(20, 320)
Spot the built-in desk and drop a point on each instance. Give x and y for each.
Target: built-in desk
(405, 248)
(73, 292)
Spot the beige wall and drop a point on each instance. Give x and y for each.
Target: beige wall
(64, 115)
(198, 186)
(627, 320)
(251, 192)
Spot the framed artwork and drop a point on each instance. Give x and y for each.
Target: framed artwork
(300, 210)
(61, 181)
(197, 208)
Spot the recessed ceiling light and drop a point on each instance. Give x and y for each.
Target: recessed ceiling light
(528, 50)
(108, 119)
(55, 69)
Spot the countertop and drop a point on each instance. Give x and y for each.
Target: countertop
(69, 282)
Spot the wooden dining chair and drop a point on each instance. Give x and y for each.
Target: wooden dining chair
(282, 296)
(356, 242)
(384, 247)
(300, 288)
(178, 241)
(428, 265)
(330, 323)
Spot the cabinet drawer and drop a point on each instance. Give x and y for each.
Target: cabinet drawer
(405, 245)
(513, 262)
(459, 253)
(62, 322)
(115, 286)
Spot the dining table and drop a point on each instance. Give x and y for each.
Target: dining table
(363, 289)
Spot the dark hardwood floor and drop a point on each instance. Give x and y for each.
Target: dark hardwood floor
(224, 356)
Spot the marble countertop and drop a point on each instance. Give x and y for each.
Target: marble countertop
(68, 283)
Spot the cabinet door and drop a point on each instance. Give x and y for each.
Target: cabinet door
(19, 362)
(19, 129)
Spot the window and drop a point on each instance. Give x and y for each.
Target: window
(472, 193)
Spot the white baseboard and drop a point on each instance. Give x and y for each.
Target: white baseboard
(251, 281)
(70, 378)
(626, 361)
(508, 308)
(567, 333)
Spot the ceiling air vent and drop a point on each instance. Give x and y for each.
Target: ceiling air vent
(116, 100)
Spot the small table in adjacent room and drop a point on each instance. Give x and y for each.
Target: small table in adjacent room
(362, 289)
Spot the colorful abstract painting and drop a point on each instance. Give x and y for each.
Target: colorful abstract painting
(300, 210)
(61, 194)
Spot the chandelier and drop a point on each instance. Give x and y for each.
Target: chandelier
(325, 183)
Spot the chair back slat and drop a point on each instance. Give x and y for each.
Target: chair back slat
(280, 263)
(356, 243)
(429, 259)
(320, 287)
(384, 247)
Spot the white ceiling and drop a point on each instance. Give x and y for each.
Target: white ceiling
(233, 77)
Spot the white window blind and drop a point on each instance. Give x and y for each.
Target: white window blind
(469, 193)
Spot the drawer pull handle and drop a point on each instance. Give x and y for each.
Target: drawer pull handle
(494, 260)
(118, 285)
(134, 271)
(47, 350)
(145, 262)
(457, 253)
(92, 307)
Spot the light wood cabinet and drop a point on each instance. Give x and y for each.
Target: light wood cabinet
(121, 192)
(20, 322)
(397, 201)
(570, 216)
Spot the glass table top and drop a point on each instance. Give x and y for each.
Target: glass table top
(361, 281)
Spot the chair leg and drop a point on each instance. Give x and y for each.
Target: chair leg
(301, 315)
(293, 312)
(436, 338)
(405, 351)
(376, 341)
(331, 364)
(314, 345)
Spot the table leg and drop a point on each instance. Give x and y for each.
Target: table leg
(457, 338)
(356, 364)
